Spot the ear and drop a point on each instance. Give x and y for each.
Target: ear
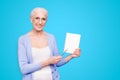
(46, 18)
(31, 19)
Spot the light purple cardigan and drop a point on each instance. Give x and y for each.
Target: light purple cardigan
(26, 64)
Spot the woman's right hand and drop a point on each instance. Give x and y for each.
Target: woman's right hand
(54, 59)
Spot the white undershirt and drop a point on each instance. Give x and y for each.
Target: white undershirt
(40, 55)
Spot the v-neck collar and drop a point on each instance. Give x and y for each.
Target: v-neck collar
(30, 46)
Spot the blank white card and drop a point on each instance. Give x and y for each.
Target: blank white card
(72, 42)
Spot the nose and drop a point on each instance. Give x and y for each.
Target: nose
(40, 22)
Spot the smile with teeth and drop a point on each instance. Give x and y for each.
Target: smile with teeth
(39, 25)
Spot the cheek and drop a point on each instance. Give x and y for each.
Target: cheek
(34, 22)
(44, 22)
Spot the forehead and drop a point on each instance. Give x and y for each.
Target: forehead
(40, 14)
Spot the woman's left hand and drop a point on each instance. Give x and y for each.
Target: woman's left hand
(76, 53)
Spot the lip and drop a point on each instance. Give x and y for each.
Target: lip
(39, 26)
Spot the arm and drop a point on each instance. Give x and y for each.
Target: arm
(51, 60)
(25, 66)
(63, 61)
(56, 53)
(76, 53)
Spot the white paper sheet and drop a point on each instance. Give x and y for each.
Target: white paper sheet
(72, 42)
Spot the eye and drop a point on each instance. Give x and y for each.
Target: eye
(37, 18)
(43, 18)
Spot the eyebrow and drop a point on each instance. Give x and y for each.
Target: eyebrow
(40, 17)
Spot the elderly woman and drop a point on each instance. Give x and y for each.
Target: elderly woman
(37, 51)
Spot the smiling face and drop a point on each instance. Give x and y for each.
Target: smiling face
(38, 19)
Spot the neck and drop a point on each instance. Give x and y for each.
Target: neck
(38, 33)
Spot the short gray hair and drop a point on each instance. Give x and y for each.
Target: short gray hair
(38, 9)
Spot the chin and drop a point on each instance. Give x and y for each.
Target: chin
(38, 30)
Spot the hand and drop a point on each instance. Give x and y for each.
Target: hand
(76, 53)
(54, 59)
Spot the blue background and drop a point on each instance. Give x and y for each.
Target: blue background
(98, 21)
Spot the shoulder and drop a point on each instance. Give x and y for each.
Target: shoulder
(50, 36)
(23, 37)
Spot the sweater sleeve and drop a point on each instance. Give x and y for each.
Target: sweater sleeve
(24, 64)
(56, 53)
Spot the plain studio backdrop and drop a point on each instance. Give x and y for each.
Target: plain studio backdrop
(98, 21)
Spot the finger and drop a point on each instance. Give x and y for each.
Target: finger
(77, 53)
(57, 61)
(77, 49)
(59, 57)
